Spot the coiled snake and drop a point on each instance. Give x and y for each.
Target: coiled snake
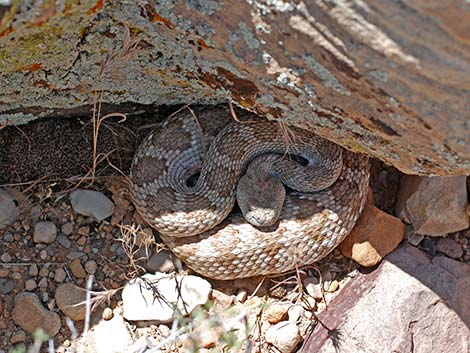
(194, 220)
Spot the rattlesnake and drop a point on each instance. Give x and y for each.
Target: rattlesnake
(192, 220)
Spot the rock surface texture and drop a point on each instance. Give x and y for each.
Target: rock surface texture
(347, 70)
(375, 235)
(410, 303)
(434, 206)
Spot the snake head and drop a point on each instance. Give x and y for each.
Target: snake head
(260, 196)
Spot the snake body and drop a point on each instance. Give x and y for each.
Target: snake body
(194, 220)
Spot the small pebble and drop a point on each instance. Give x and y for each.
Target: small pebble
(64, 241)
(90, 267)
(333, 287)
(18, 337)
(74, 255)
(16, 275)
(81, 241)
(6, 257)
(8, 237)
(59, 275)
(43, 272)
(33, 270)
(223, 299)
(30, 285)
(84, 231)
(241, 296)
(77, 268)
(284, 336)
(67, 228)
(309, 303)
(107, 314)
(314, 290)
(43, 255)
(42, 283)
(276, 313)
(295, 313)
(44, 232)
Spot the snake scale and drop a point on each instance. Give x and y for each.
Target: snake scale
(194, 220)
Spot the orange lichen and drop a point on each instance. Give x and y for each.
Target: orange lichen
(6, 31)
(155, 17)
(202, 43)
(30, 68)
(98, 6)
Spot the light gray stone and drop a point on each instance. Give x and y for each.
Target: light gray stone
(6, 285)
(91, 203)
(90, 267)
(44, 232)
(64, 241)
(284, 336)
(67, 228)
(155, 297)
(30, 284)
(59, 275)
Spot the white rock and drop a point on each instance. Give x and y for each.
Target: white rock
(154, 297)
(111, 336)
(44, 232)
(295, 313)
(91, 203)
(284, 336)
(9, 210)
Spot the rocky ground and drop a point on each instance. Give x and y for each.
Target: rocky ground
(64, 229)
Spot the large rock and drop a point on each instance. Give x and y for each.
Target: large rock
(433, 205)
(410, 303)
(31, 315)
(157, 297)
(349, 70)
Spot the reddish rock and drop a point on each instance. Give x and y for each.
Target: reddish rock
(375, 235)
(77, 268)
(433, 205)
(408, 304)
(31, 315)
